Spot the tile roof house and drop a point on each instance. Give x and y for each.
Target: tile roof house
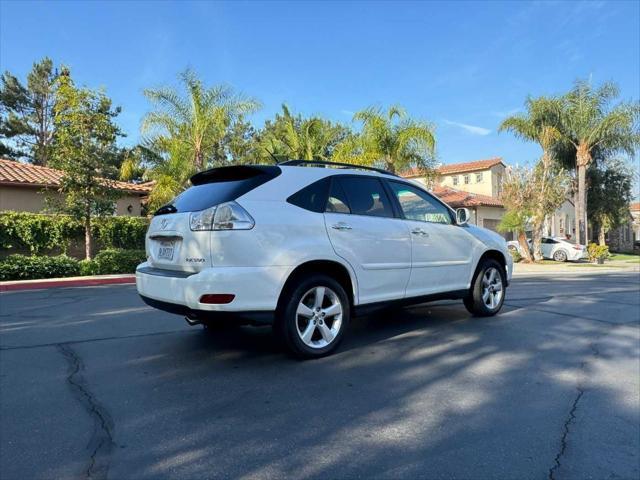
(22, 186)
(473, 185)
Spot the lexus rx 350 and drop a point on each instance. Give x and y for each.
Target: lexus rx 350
(307, 247)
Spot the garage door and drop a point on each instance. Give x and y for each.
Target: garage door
(490, 224)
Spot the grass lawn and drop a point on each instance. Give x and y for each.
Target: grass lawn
(625, 257)
(605, 265)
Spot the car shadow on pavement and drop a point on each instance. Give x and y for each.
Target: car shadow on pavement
(422, 392)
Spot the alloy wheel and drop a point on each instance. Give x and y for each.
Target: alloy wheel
(319, 317)
(492, 290)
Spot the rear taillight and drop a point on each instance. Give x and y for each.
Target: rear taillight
(577, 247)
(226, 216)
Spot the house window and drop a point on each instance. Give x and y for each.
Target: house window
(467, 179)
(478, 177)
(455, 180)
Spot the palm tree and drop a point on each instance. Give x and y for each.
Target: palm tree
(589, 123)
(294, 137)
(389, 138)
(194, 124)
(538, 124)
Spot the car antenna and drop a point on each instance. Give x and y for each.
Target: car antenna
(275, 159)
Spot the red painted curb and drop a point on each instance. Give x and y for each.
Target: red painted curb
(89, 282)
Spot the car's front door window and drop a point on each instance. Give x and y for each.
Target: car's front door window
(420, 206)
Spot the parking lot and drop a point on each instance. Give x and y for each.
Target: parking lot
(96, 384)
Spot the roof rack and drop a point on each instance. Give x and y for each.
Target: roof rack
(295, 163)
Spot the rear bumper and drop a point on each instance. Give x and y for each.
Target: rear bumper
(199, 316)
(256, 289)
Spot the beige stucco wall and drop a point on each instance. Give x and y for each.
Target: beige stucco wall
(562, 222)
(636, 224)
(489, 185)
(23, 199)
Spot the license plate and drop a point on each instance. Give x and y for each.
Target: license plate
(165, 251)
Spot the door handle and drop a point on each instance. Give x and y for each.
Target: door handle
(341, 226)
(419, 231)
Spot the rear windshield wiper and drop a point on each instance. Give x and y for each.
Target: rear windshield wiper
(166, 209)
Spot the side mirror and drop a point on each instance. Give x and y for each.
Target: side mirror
(462, 216)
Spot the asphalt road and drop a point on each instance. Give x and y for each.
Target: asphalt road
(95, 384)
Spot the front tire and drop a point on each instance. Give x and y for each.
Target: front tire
(312, 316)
(486, 294)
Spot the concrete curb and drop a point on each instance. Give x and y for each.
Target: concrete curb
(67, 282)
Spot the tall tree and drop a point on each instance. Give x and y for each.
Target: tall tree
(539, 124)
(390, 139)
(609, 195)
(589, 122)
(84, 135)
(26, 113)
(291, 136)
(517, 194)
(240, 144)
(194, 122)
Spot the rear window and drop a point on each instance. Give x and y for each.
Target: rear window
(219, 185)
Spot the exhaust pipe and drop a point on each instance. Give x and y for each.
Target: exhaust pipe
(192, 319)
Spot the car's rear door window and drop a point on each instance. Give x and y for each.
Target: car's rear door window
(360, 195)
(337, 202)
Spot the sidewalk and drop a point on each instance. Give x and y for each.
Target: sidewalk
(66, 282)
(574, 268)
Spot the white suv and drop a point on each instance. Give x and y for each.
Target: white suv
(304, 248)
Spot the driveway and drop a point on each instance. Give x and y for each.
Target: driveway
(95, 384)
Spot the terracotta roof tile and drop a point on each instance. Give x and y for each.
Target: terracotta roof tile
(458, 198)
(635, 207)
(23, 174)
(457, 167)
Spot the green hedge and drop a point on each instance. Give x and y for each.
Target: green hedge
(25, 267)
(113, 261)
(38, 233)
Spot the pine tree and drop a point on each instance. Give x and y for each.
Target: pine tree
(26, 113)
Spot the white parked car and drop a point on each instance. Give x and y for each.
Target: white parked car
(305, 248)
(558, 249)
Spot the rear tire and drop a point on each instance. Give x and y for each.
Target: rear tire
(560, 256)
(312, 316)
(487, 291)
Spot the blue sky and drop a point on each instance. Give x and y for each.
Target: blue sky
(460, 65)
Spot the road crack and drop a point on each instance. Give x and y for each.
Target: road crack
(101, 442)
(565, 434)
(595, 352)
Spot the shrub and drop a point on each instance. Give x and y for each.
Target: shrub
(88, 267)
(120, 232)
(24, 267)
(38, 232)
(117, 261)
(596, 251)
(515, 255)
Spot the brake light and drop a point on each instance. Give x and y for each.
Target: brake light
(577, 247)
(226, 216)
(217, 298)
